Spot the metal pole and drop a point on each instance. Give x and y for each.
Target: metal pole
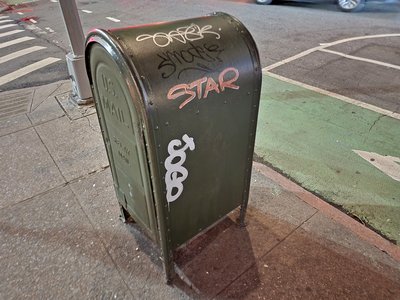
(81, 92)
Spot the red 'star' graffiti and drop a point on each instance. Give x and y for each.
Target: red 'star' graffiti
(195, 88)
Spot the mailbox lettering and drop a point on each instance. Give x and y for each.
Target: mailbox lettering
(123, 151)
(108, 105)
(226, 80)
(114, 110)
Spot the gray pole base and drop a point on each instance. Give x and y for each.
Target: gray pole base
(81, 91)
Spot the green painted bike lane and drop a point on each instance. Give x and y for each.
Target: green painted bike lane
(310, 137)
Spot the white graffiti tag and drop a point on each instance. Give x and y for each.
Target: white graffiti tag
(176, 173)
(185, 34)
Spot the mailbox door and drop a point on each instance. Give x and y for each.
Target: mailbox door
(123, 137)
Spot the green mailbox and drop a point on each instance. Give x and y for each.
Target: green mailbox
(177, 104)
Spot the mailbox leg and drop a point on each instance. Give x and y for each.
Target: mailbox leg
(243, 209)
(168, 268)
(123, 215)
(242, 215)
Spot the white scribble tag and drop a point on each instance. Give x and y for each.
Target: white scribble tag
(183, 35)
(176, 173)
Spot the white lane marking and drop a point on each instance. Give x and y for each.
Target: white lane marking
(11, 32)
(113, 19)
(87, 11)
(363, 37)
(49, 29)
(20, 53)
(376, 62)
(28, 69)
(337, 96)
(6, 21)
(33, 21)
(326, 45)
(292, 58)
(20, 13)
(16, 41)
(4, 17)
(54, 1)
(7, 26)
(390, 165)
(35, 29)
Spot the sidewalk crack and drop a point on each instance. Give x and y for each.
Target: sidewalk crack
(91, 125)
(51, 156)
(105, 248)
(265, 254)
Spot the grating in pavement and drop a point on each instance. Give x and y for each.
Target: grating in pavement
(14, 103)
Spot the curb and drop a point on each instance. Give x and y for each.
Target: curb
(355, 227)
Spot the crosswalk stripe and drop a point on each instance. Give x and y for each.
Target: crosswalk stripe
(113, 19)
(7, 26)
(28, 69)
(5, 21)
(16, 41)
(20, 53)
(4, 17)
(10, 32)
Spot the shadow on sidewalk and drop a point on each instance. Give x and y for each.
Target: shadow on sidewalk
(214, 260)
(268, 259)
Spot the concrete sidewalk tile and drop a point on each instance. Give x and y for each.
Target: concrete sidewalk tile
(26, 167)
(303, 269)
(97, 196)
(49, 250)
(15, 102)
(73, 110)
(77, 147)
(43, 92)
(65, 86)
(336, 236)
(229, 250)
(270, 198)
(46, 111)
(136, 257)
(14, 124)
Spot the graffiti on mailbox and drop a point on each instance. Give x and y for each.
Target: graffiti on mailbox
(192, 58)
(176, 173)
(226, 80)
(183, 35)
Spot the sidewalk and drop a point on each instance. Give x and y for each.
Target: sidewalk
(61, 236)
